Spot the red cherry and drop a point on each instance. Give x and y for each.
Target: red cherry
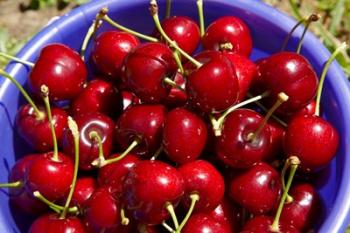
(129, 99)
(51, 223)
(84, 188)
(277, 133)
(148, 187)
(203, 223)
(88, 146)
(257, 189)
(181, 127)
(177, 97)
(262, 224)
(313, 140)
(37, 132)
(234, 146)
(307, 110)
(61, 69)
(99, 96)
(109, 51)
(143, 123)
(228, 29)
(145, 69)
(200, 177)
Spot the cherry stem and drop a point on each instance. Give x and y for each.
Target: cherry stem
(73, 127)
(53, 206)
(285, 42)
(45, 94)
(128, 30)
(201, 17)
(194, 198)
(155, 156)
(124, 220)
(294, 163)
(172, 83)
(226, 46)
(282, 97)
(281, 122)
(312, 18)
(17, 184)
(116, 159)
(171, 211)
(283, 175)
(39, 114)
(168, 9)
(342, 47)
(10, 57)
(101, 158)
(217, 124)
(178, 62)
(154, 13)
(91, 31)
(167, 227)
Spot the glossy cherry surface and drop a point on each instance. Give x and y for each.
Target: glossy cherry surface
(51, 223)
(203, 223)
(84, 188)
(234, 147)
(184, 135)
(257, 189)
(148, 187)
(110, 49)
(277, 132)
(262, 224)
(313, 140)
(61, 69)
(228, 29)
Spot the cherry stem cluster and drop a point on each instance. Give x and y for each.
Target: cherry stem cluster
(53, 206)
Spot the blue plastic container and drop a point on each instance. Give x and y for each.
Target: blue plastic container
(268, 27)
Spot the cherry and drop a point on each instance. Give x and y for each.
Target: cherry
(234, 147)
(277, 133)
(84, 189)
(181, 127)
(61, 69)
(257, 189)
(145, 70)
(304, 208)
(96, 130)
(203, 223)
(307, 110)
(99, 96)
(51, 223)
(228, 33)
(262, 224)
(129, 99)
(143, 124)
(292, 74)
(113, 174)
(109, 51)
(184, 31)
(150, 189)
(313, 140)
(177, 97)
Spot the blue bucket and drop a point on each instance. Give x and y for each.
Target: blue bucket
(268, 26)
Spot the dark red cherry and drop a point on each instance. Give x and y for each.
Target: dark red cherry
(143, 123)
(37, 132)
(313, 140)
(184, 135)
(113, 174)
(201, 177)
(148, 187)
(84, 188)
(262, 224)
(88, 146)
(177, 97)
(307, 110)
(109, 51)
(292, 74)
(228, 29)
(145, 69)
(61, 69)
(184, 31)
(51, 178)
(305, 208)
(52, 223)
(98, 96)
(214, 86)
(257, 189)
(203, 223)
(277, 132)
(234, 147)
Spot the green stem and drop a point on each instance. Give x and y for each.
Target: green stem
(167, 227)
(178, 62)
(101, 158)
(294, 165)
(53, 206)
(45, 93)
(91, 31)
(171, 211)
(285, 42)
(201, 17)
(74, 129)
(343, 46)
(125, 29)
(168, 9)
(120, 157)
(172, 83)
(39, 114)
(283, 175)
(155, 156)
(154, 13)
(194, 198)
(310, 19)
(17, 184)
(27, 63)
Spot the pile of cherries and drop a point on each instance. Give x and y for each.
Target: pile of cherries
(159, 136)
